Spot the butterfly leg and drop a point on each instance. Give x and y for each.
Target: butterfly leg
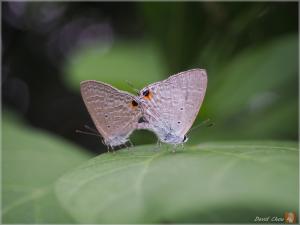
(158, 145)
(113, 150)
(105, 145)
(110, 147)
(131, 144)
(175, 146)
(127, 146)
(124, 145)
(107, 148)
(182, 146)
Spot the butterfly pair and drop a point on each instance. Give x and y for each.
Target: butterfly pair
(168, 107)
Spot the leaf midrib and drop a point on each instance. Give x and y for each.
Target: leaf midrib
(35, 194)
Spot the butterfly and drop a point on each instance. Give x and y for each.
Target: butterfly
(168, 108)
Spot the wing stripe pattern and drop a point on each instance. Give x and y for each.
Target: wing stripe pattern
(175, 104)
(111, 110)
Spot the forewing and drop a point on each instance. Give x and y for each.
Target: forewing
(113, 112)
(175, 102)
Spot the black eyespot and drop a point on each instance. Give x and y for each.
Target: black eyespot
(106, 115)
(134, 103)
(108, 126)
(178, 122)
(181, 108)
(146, 93)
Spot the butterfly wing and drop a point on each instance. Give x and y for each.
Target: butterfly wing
(171, 106)
(115, 113)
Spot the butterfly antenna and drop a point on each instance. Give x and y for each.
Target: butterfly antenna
(206, 123)
(93, 131)
(132, 86)
(89, 133)
(90, 129)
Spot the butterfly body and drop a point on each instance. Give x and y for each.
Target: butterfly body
(168, 108)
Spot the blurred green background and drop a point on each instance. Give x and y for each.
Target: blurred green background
(250, 52)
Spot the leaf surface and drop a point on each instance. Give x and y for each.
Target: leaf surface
(254, 93)
(212, 182)
(31, 162)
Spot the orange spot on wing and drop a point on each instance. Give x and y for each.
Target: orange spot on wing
(133, 104)
(148, 96)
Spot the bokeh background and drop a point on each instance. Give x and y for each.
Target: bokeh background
(250, 51)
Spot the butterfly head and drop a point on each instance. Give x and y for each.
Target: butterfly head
(174, 139)
(115, 141)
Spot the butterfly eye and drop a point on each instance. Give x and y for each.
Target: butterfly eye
(184, 139)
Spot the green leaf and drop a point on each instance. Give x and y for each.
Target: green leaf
(212, 182)
(255, 95)
(256, 76)
(32, 162)
(138, 62)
